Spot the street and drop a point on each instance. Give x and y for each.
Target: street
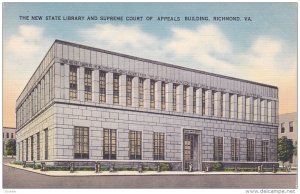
(17, 179)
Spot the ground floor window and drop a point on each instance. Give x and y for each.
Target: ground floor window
(46, 144)
(265, 150)
(218, 148)
(26, 156)
(109, 144)
(135, 145)
(158, 146)
(250, 149)
(235, 149)
(38, 146)
(31, 147)
(81, 142)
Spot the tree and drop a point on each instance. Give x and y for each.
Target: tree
(11, 147)
(285, 149)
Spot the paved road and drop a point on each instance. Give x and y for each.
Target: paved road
(17, 178)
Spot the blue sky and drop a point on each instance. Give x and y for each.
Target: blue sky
(263, 50)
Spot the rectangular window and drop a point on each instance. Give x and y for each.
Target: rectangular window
(102, 86)
(81, 142)
(38, 146)
(248, 109)
(174, 96)
(218, 148)
(213, 103)
(235, 149)
(163, 95)
(12, 135)
(152, 94)
(263, 111)
(291, 125)
(46, 144)
(26, 156)
(109, 144)
(128, 91)
(203, 101)
(265, 150)
(184, 98)
(158, 146)
(7, 135)
(256, 109)
(240, 107)
(116, 89)
(250, 149)
(194, 100)
(231, 106)
(282, 127)
(87, 84)
(221, 105)
(73, 82)
(135, 145)
(31, 148)
(269, 110)
(141, 92)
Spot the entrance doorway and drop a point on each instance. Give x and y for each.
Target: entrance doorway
(191, 149)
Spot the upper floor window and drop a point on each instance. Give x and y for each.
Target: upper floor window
(141, 92)
(231, 106)
(184, 98)
(116, 89)
(203, 101)
(152, 94)
(291, 126)
(213, 96)
(102, 86)
(256, 115)
(87, 84)
(12, 135)
(282, 127)
(174, 97)
(73, 82)
(7, 135)
(240, 107)
(221, 105)
(248, 109)
(163, 95)
(129, 91)
(194, 100)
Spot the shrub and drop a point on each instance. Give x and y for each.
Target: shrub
(165, 167)
(217, 166)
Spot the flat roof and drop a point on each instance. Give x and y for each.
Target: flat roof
(159, 63)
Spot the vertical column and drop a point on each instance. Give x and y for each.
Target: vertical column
(208, 101)
(135, 92)
(95, 85)
(169, 96)
(147, 93)
(158, 95)
(57, 88)
(109, 87)
(199, 101)
(189, 100)
(179, 98)
(65, 84)
(218, 104)
(122, 92)
(80, 80)
(235, 107)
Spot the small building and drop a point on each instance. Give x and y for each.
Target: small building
(7, 134)
(288, 127)
(89, 104)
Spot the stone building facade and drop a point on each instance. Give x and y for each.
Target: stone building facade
(84, 103)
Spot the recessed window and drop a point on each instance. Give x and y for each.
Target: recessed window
(141, 92)
(38, 146)
(109, 144)
(163, 95)
(116, 89)
(152, 94)
(213, 107)
(235, 149)
(135, 145)
(218, 148)
(81, 142)
(194, 100)
(265, 150)
(184, 98)
(250, 149)
(46, 143)
(87, 84)
(282, 127)
(291, 126)
(128, 91)
(102, 86)
(31, 147)
(203, 101)
(158, 146)
(73, 82)
(174, 97)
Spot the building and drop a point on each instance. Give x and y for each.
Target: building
(84, 103)
(7, 134)
(288, 127)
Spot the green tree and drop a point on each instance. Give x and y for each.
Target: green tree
(11, 147)
(285, 149)
(296, 148)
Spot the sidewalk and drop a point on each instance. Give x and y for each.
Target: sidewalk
(132, 173)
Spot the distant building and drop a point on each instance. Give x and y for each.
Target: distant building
(7, 134)
(84, 103)
(288, 126)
